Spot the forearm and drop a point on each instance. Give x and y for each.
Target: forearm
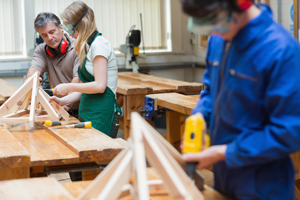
(88, 88)
(31, 71)
(71, 98)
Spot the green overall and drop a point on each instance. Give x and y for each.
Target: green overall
(98, 108)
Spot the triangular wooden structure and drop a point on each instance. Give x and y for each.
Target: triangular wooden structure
(33, 100)
(130, 164)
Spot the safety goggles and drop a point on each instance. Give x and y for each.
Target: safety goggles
(218, 22)
(69, 28)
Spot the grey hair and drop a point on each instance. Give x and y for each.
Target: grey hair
(44, 18)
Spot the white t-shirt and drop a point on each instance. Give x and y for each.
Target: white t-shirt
(102, 47)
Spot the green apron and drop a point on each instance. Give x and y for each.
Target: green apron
(98, 108)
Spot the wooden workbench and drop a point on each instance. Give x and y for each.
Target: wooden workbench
(178, 107)
(6, 90)
(132, 88)
(26, 151)
(50, 188)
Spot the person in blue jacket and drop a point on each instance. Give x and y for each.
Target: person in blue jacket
(251, 102)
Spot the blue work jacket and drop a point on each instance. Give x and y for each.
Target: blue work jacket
(252, 104)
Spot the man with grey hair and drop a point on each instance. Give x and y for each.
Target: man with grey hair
(56, 55)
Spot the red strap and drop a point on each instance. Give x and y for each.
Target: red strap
(48, 51)
(244, 4)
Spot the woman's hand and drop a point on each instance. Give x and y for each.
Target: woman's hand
(57, 100)
(207, 157)
(62, 89)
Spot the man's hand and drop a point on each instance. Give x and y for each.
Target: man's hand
(62, 89)
(207, 157)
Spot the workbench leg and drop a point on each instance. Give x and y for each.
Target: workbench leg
(126, 119)
(90, 175)
(175, 128)
(14, 173)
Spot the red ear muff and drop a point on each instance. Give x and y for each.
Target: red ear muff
(244, 4)
(63, 46)
(51, 52)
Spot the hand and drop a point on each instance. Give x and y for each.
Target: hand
(57, 100)
(26, 79)
(62, 89)
(67, 107)
(207, 157)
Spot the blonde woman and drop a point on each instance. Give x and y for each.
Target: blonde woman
(98, 71)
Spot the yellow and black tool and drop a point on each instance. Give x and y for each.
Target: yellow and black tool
(78, 125)
(195, 139)
(49, 89)
(55, 123)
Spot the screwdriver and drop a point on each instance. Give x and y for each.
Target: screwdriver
(78, 125)
(55, 123)
(49, 89)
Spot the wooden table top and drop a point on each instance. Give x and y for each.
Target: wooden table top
(130, 83)
(47, 146)
(6, 90)
(177, 102)
(50, 188)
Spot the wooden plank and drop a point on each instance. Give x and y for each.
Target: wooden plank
(6, 90)
(76, 188)
(97, 185)
(14, 173)
(134, 83)
(14, 120)
(56, 107)
(17, 114)
(12, 153)
(45, 103)
(43, 147)
(180, 85)
(177, 102)
(37, 188)
(89, 143)
(34, 95)
(16, 97)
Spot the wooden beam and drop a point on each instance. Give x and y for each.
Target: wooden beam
(50, 110)
(55, 106)
(16, 97)
(33, 99)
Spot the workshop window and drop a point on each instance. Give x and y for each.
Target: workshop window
(12, 34)
(115, 17)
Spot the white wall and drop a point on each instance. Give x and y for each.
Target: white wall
(182, 51)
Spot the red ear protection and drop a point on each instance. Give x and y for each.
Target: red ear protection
(51, 52)
(62, 48)
(244, 4)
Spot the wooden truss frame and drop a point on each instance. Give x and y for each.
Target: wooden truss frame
(30, 99)
(130, 166)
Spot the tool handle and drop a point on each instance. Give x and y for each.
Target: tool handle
(83, 125)
(52, 123)
(190, 168)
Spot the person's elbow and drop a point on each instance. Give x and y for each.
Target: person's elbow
(101, 88)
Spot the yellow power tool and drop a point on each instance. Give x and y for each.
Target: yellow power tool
(195, 139)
